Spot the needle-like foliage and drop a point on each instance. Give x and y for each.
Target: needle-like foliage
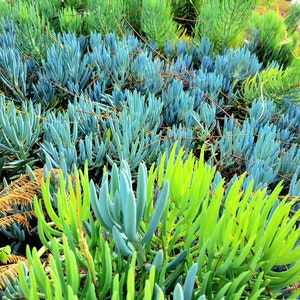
(224, 22)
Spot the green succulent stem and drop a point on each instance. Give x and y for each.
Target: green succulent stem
(141, 257)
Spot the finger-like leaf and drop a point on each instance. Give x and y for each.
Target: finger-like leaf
(120, 243)
(189, 282)
(158, 212)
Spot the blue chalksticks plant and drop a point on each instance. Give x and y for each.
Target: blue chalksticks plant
(122, 215)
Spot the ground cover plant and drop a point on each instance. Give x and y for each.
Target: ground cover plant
(162, 155)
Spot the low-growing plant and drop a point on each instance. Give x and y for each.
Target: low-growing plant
(171, 232)
(112, 99)
(179, 229)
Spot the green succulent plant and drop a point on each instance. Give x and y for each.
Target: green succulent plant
(172, 232)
